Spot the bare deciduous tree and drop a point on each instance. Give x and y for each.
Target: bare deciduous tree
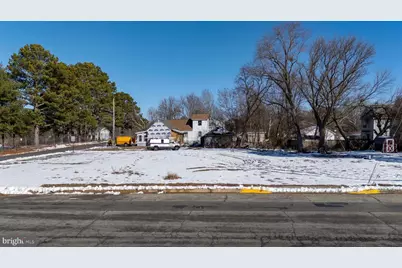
(334, 76)
(252, 87)
(208, 102)
(229, 107)
(396, 128)
(278, 56)
(167, 109)
(191, 104)
(240, 104)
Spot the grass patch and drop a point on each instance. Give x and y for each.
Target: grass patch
(172, 176)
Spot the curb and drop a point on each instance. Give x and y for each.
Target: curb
(254, 191)
(369, 191)
(198, 189)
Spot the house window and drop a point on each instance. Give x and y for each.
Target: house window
(199, 122)
(199, 133)
(139, 138)
(365, 123)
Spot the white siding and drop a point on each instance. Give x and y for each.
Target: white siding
(141, 138)
(254, 137)
(193, 136)
(103, 134)
(369, 127)
(158, 131)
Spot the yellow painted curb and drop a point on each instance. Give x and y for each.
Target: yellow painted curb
(372, 191)
(254, 191)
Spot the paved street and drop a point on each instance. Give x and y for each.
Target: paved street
(204, 220)
(50, 151)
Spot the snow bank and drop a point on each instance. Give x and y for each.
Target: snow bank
(115, 190)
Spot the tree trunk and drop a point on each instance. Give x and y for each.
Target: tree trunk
(14, 141)
(36, 128)
(79, 134)
(321, 143)
(299, 140)
(344, 136)
(269, 130)
(54, 138)
(2, 141)
(36, 136)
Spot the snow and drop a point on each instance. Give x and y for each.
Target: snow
(48, 148)
(314, 132)
(69, 145)
(275, 170)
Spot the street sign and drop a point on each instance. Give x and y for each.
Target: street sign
(72, 138)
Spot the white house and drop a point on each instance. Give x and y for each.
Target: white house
(187, 131)
(313, 133)
(200, 126)
(103, 134)
(141, 138)
(371, 125)
(255, 136)
(154, 130)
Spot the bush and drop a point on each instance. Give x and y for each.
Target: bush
(172, 176)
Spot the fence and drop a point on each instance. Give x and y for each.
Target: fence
(45, 139)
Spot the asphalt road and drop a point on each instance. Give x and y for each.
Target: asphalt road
(59, 150)
(203, 220)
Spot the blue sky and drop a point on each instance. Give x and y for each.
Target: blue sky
(153, 60)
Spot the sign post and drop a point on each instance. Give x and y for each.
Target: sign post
(72, 138)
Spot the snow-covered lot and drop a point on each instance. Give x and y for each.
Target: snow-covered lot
(210, 166)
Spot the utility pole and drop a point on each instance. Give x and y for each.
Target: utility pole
(113, 134)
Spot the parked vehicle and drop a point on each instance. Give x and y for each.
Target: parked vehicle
(162, 144)
(124, 141)
(134, 141)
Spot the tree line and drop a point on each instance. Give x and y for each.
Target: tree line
(183, 107)
(40, 93)
(295, 81)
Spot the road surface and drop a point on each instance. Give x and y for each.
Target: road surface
(204, 220)
(50, 151)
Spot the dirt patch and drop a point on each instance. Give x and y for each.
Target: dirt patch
(172, 176)
(16, 151)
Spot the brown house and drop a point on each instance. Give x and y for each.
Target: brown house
(178, 129)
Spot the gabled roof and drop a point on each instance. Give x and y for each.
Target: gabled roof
(313, 131)
(199, 116)
(179, 124)
(150, 123)
(219, 131)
